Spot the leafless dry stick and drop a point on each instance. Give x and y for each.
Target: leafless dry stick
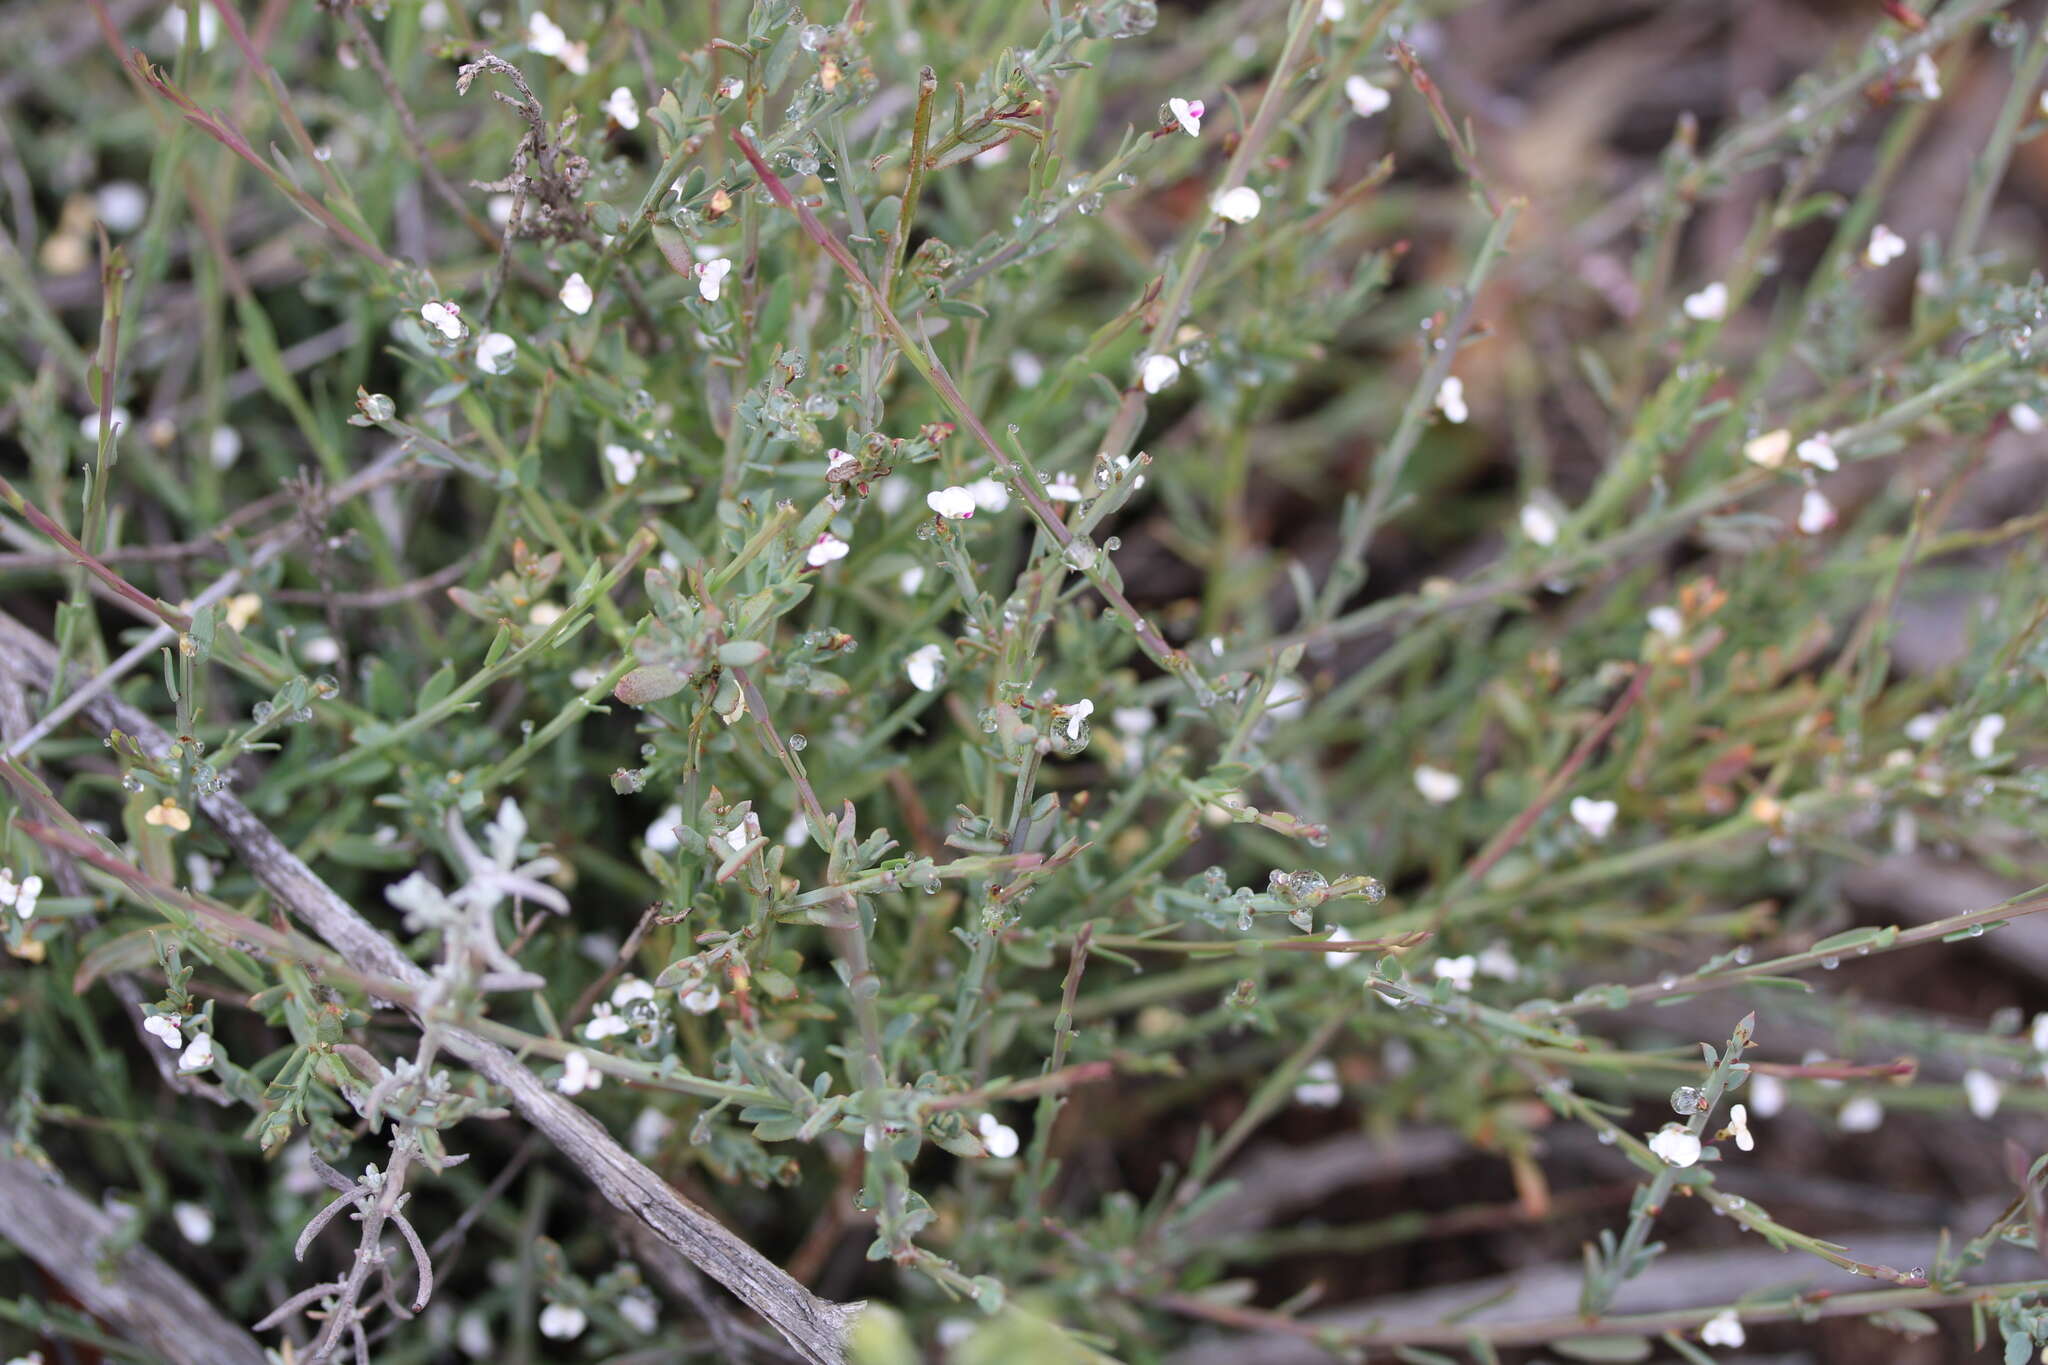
(814, 1326)
(144, 1298)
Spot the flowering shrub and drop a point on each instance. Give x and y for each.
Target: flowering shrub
(892, 682)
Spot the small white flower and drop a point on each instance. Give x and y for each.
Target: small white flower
(443, 317)
(629, 989)
(1594, 817)
(1816, 513)
(925, 666)
(1767, 1093)
(1738, 1128)
(661, 836)
(1497, 960)
(1709, 304)
(606, 1023)
(89, 425)
(639, 1310)
(1450, 399)
(701, 1000)
(499, 208)
(1333, 11)
(998, 1137)
(199, 1056)
(1885, 247)
(1456, 970)
(2024, 419)
(840, 462)
(1027, 369)
(121, 204)
(1063, 488)
(562, 1321)
(1983, 1092)
(825, 549)
(165, 1027)
(1318, 1087)
(1984, 735)
(625, 462)
(1240, 204)
(1188, 114)
(224, 447)
(623, 109)
(1666, 621)
(1769, 450)
(1155, 372)
(173, 25)
(1366, 98)
(1675, 1146)
(1926, 77)
(953, 502)
(1339, 958)
(1438, 787)
(711, 277)
(1539, 523)
(911, 579)
(650, 1129)
(578, 1075)
(1076, 716)
(1921, 728)
(195, 1222)
(576, 295)
(494, 353)
(1133, 722)
(990, 495)
(473, 1335)
(1860, 1115)
(1818, 450)
(26, 895)
(544, 35)
(1723, 1329)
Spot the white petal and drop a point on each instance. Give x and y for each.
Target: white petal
(576, 295)
(1983, 1092)
(1816, 513)
(1675, 1146)
(1239, 204)
(1366, 98)
(1984, 735)
(495, 352)
(2024, 419)
(952, 502)
(1708, 304)
(1723, 1329)
(623, 108)
(999, 1138)
(1539, 524)
(1155, 372)
(925, 667)
(1769, 450)
(711, 278)
(1595, 817)
(195, 1222)
(1818, 450)
(1860, 1115)
(1437, 786)
(1450, 399)
(1666, 622)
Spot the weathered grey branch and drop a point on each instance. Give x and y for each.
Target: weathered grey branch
(144, 1299)
(814, 1326)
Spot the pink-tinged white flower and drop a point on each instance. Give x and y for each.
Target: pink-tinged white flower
(444, 317)
(562, 1322)
(1318, 1087)
(952, 502)
(1666, 621)
(578, 1075)
(1983, 1092)
(1438, 787)
(1984, 736)
(495, 352)
(711, 277)
(1450, 399)
(1767, 1094)
(730, 88)
(1188, 114)
(1769, 450)
(576, 294)
(1366, 98)
(623, 109)
(1456, 970)
(1156, 372)
(1594, 817)
(1926, 77)
(1075, 715)
(840, 464)
(1818, 451)
(1723, 1329)
(1063, 488)
(925, 666)
(1884, 247)
(825, 549)
(1539, 524)
(165, 1028)
(199, 1056)
(990, 495)
(1816, 513)
(2024, 419)
(997, 1137)
(605, 1022)
(1738, 1128)
(1861, 1115)
(1674, 1146)
(701, 999)
(1708, 305)
(624, 461)
(1239, 204)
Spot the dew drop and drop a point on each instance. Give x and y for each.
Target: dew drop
(1685, 1100)
(798, 742)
